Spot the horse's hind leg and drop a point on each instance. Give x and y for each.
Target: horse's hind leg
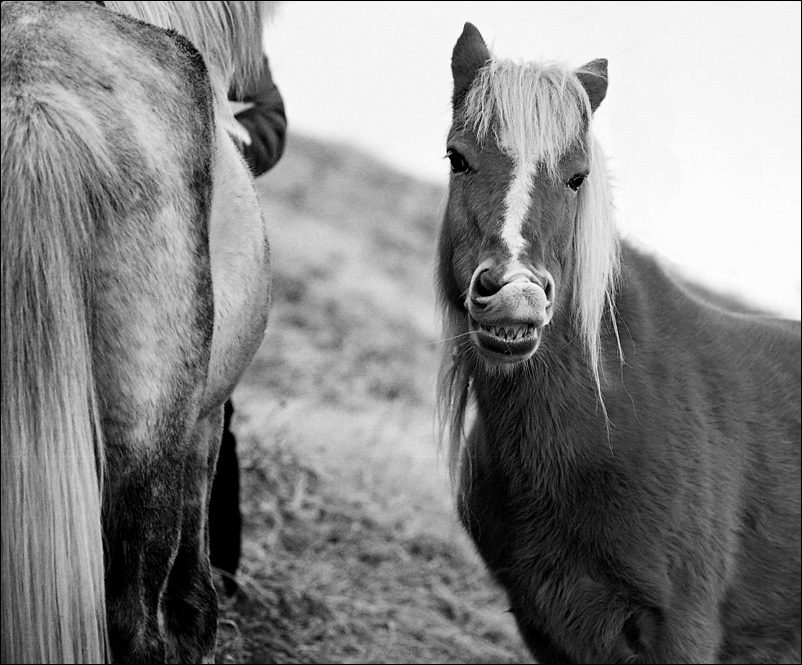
(154, 328)
(156, 500)
(190, 600)
(142, 540)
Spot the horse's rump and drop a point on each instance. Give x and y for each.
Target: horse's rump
(227, 33)
(228, 36)
(107, 310)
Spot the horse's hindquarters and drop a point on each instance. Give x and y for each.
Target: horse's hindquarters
(113, 154)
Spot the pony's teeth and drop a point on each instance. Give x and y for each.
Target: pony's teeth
(511, 334)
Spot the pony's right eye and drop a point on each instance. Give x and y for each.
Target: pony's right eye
(576, 182)
(458, 163)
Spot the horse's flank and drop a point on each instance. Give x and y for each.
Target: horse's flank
(240, 260)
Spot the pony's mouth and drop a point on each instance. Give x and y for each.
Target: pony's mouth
(505, 342)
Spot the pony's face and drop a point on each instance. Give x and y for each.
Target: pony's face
(510, 227)
(506, 243)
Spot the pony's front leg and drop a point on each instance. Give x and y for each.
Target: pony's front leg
(543, 649)
(190, 600)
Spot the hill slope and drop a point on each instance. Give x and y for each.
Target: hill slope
(352, 551)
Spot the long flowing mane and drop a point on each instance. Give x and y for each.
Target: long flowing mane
(541, 111)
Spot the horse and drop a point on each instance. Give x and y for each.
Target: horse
(625, 456)
(136, 288)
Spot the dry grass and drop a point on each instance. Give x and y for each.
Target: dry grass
(352, 551)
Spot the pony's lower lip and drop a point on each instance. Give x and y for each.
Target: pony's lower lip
(509, 343)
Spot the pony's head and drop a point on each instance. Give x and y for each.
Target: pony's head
(528, 234)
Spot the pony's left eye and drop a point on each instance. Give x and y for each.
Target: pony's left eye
(576, 182)
(458, 163)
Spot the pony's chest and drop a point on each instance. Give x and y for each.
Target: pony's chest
(506, 514)
(533, 517)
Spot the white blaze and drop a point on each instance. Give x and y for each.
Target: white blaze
(516, 203)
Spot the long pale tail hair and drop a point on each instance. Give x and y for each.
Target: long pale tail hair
(57, 181)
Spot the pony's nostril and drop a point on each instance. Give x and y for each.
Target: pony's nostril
(485, 285)
(549, 290)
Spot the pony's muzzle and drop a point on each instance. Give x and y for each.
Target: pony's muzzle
(508, 306)
(513, 291)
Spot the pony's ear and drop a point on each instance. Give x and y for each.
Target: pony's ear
(593, 77)
(470, 53)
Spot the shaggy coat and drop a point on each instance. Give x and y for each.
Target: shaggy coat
(626, 457)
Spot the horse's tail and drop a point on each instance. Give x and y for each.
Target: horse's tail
(56, 181)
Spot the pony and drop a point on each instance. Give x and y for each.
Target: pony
(136, 287)
(625, 456)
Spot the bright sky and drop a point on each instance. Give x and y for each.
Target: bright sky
(701, 123)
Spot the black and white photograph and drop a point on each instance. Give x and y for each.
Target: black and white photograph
(401, 332)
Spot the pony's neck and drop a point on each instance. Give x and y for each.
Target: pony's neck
(546, 411)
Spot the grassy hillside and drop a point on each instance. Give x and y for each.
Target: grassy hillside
(352, 552)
